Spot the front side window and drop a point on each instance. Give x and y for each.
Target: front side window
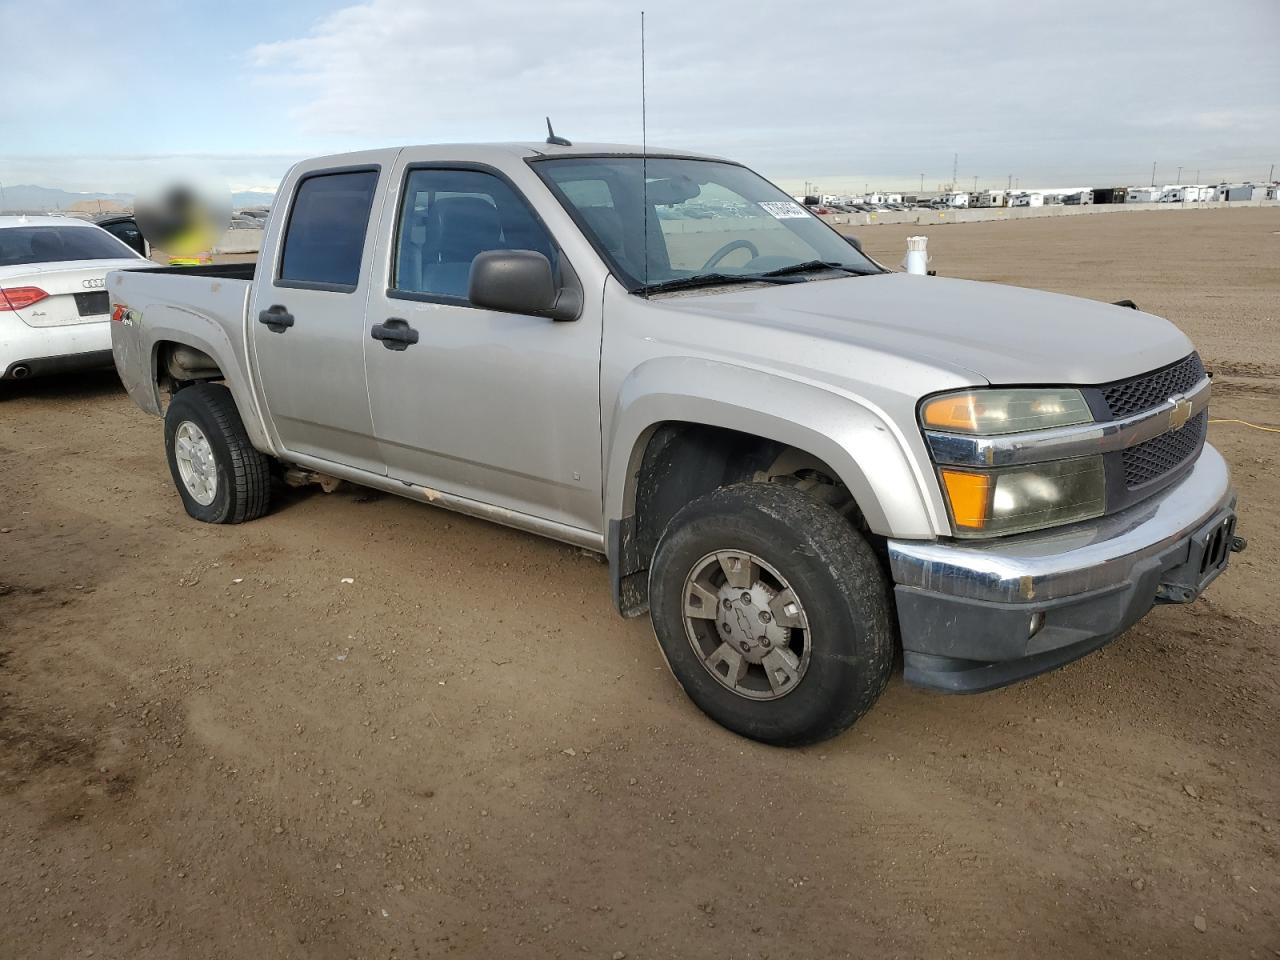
(447, 218)
(324, 240)
(668, 220)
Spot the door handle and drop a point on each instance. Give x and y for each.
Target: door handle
(276, 317)
(395, 334)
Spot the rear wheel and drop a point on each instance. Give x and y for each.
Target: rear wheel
(773, 613)
(219, 475)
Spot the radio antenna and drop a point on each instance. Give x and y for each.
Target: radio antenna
(553, 139)
(644, 160)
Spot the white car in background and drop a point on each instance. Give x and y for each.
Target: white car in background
(55, 313)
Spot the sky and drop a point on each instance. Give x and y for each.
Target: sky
(97, 95)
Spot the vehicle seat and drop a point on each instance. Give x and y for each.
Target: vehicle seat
(412, 243)
(458, 228)
(520, 231)
(46, 245)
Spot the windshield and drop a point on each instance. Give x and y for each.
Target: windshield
(22, 245)
(706, 220)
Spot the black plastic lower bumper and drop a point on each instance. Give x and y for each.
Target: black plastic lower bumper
(968, 646)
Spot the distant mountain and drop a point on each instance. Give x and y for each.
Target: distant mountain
(29, 198)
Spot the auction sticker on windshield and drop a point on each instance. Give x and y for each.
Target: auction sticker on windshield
(783, 209)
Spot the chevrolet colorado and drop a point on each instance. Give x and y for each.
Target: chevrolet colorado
(797, 461)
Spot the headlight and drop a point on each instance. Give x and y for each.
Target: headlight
(988, 503)
(991, 412)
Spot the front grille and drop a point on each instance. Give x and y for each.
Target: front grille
(1158, 456)
(93, 304)
(1132, 396)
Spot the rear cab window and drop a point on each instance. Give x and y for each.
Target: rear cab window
(325, 237)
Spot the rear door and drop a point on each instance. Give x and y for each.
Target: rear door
(307, 314)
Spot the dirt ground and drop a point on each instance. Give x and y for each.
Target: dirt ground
(212, 746)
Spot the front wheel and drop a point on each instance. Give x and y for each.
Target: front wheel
(773, 613)
(219, 475)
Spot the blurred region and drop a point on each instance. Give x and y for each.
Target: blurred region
(184, 214)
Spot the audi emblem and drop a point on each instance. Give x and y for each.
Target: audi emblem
(96, 282)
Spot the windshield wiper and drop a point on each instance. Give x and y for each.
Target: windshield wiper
(810, 265)
(715, 280)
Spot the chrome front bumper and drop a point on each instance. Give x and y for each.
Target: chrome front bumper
(974, 616)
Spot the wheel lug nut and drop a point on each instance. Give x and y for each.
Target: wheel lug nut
(764, 641)
(765, 616)
(746, 598)
(745, 646)
(727, 603)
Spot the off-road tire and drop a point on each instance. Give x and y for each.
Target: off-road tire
(243, 490)
(837, 578)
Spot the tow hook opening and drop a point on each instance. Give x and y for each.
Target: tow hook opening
(1174, 593)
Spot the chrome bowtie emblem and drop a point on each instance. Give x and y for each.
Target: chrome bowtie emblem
(1180, 413)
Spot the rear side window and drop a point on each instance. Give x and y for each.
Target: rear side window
(324, 240)
(22, 245)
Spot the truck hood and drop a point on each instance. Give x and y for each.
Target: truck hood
(1002, 334)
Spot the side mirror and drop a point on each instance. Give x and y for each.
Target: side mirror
(521, 281)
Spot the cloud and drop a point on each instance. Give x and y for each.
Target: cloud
(841, 87)
(415, 71)
(1087, 90)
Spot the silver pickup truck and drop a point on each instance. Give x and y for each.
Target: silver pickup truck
(798, 461)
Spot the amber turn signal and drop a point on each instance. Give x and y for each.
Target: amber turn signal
(970, 497)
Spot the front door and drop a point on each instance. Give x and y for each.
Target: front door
(496, 407)
(307, 320)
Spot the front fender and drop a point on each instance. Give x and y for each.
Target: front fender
(868, 452)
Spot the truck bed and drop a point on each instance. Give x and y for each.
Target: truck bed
(203, 307)
(233, 271)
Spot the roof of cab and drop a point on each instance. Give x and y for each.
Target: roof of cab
(493, 152)
(607, 149)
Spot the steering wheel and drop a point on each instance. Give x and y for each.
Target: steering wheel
(727, 249)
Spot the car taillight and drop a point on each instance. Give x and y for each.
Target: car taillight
(118, 311)
(15, 298)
